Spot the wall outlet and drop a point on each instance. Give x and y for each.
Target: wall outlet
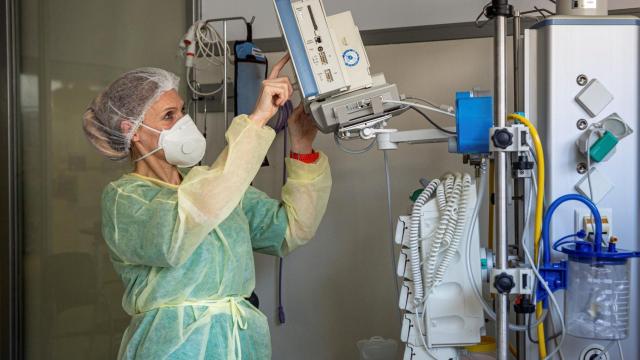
(582, 221)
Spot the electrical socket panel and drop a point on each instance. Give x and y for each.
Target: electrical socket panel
(582, 218)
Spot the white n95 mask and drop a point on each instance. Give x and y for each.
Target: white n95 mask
(183, 144)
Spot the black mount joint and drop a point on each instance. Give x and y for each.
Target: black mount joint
(502, 138)
(524, 306)
(522, 163)
(504, 283)
(499, 8)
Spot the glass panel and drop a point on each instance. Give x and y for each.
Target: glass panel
(70, 50)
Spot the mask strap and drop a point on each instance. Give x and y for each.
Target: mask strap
(147, 154)
(153, 151)
(150, 128)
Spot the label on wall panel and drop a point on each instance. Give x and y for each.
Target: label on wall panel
(585, 4)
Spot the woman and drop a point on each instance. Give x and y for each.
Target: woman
(182, 241)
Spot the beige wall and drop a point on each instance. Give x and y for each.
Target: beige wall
(339, 288)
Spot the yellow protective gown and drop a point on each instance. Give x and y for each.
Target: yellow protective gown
(185, 256)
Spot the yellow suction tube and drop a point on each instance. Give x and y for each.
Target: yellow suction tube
(542, 346)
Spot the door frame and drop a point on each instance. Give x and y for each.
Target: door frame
(11, 270)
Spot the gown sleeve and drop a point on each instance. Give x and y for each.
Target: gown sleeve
(160, 226)
(279, 227)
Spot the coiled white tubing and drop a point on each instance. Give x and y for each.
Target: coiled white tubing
(446, 227)
(459, 231)
(414, 239)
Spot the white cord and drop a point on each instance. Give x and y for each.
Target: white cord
(452, 195)
(197, 92)
(210, 46)
(551, 296)
(592, 126)
(338, 142)
(445, 229)
(414, 237)
(444, 107)
(603, 352)
(387, 173)
(589, 175)
(422, 106)
(419, 320)
(458, 232)
(555, 340)
(620, 349)
(208, 42)
(469, 268)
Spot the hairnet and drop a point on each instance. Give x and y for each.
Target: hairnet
(125, 99)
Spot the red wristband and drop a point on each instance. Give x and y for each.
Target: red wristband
(305, 158)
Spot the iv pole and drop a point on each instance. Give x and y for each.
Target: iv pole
(500, 10)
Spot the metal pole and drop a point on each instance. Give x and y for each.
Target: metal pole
(500, 88)
(11, 254)
(517, 48)
(194, 13)
(518, 182)
(224, 80)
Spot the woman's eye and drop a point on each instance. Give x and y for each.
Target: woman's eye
(168, 116)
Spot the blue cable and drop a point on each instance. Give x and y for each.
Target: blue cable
(563, 241)
(549, 215)
(580, 235)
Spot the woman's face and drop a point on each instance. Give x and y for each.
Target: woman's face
(162, 115)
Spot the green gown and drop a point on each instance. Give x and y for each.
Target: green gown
(194, 309)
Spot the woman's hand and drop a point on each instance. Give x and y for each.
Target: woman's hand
(276, 90)
(302, 130)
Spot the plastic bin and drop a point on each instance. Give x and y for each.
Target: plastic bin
(377, 348)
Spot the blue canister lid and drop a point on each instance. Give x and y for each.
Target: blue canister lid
(583, 251)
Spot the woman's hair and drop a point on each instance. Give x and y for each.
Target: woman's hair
(125, 99)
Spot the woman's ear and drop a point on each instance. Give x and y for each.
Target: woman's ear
(125, 127)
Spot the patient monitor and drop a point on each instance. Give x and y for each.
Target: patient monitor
(332, 67)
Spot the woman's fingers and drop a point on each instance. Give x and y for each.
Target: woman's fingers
(283, 83)
(276, 90)
(275, 71)
(279, 92)
(283, 80)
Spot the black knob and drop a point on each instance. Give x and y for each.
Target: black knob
(502, 138)
(504, 283)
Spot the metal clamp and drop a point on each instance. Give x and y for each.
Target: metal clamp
(512, 281)
(509, 139)
(555, 275)
(356, 131)
(370, 133)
